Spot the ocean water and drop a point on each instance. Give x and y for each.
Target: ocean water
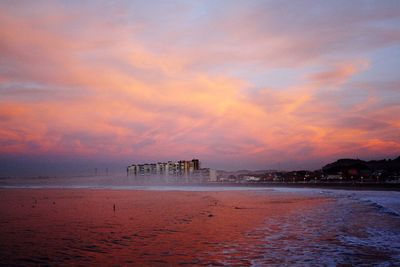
(353, 229)
(349, 228)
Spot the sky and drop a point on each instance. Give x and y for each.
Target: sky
(237, 84)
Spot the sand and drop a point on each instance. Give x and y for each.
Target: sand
(80, 227)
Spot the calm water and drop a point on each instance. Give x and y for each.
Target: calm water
(349, 229)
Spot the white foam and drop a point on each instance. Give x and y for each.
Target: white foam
(389, 201)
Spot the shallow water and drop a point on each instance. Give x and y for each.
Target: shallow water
(195, 226)
(342, 231)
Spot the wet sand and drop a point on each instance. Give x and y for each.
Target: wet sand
(60, 227)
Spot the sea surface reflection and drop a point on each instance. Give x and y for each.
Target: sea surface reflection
(199, 227)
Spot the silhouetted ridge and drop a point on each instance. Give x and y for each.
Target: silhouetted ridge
(345, 164)
(353, 168)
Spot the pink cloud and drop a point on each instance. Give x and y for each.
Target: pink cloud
(75, 84)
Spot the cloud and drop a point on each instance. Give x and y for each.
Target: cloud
(338, 74)
(131, 81)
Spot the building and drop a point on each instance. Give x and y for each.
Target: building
(174, 171)
(196, 164)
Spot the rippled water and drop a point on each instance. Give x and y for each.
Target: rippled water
(343, 231)
(352, 229)
(344, 228)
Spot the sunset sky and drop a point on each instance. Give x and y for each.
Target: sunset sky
(237, 84)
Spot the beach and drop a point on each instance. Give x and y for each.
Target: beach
(82, 227)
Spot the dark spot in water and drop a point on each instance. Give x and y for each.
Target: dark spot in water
(159, 261)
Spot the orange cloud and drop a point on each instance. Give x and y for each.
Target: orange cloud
(101, 87)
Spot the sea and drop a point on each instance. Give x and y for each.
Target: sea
(353, 228)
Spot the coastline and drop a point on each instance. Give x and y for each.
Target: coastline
(338, 186)
(179, 186)
(123, 182)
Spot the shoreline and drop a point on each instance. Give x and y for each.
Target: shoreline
(261, 185)
(338, 186)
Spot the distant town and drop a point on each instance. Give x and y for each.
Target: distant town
(350, 171)
(172, 171)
